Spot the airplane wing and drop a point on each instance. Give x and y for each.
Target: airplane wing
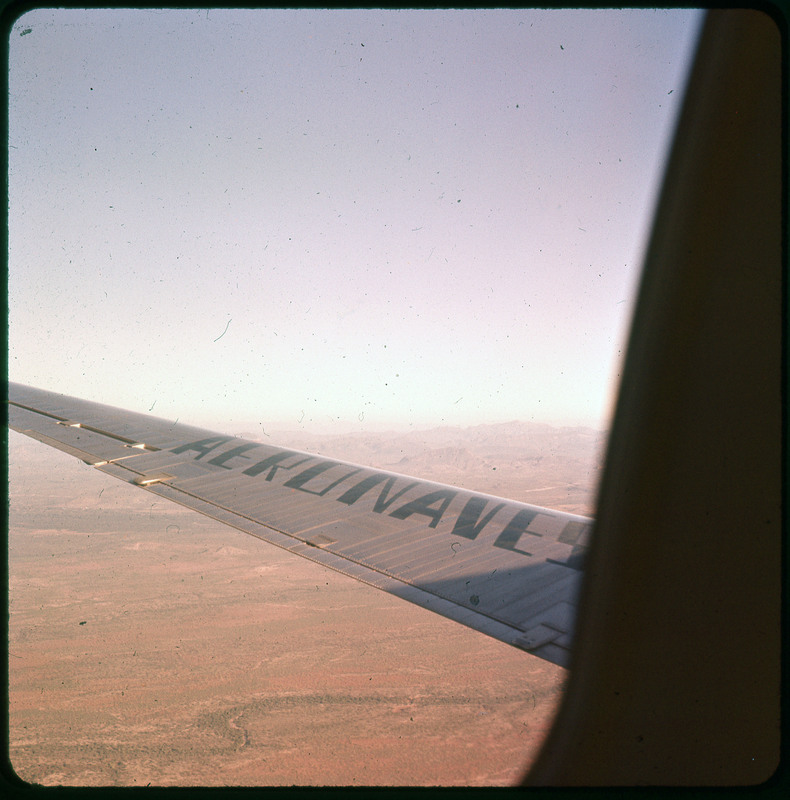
(508, 569)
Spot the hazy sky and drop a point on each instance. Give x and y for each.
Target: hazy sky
(335, 218)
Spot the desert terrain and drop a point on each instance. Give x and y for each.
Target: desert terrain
(151, 645)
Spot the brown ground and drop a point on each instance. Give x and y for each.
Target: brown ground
(149, 644)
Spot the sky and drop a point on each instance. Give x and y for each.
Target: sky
(335, 220)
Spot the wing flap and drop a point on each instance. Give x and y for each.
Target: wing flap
(492, 564)
(69, 437)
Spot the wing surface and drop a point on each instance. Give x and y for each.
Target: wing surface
(508, 569)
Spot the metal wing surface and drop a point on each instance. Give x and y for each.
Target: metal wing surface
(508, 569)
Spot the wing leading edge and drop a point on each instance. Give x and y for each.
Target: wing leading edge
(508, 569)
